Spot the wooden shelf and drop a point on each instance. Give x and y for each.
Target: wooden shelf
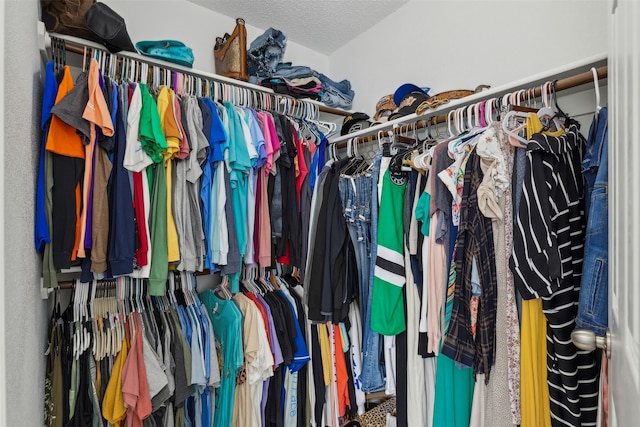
(80, 46)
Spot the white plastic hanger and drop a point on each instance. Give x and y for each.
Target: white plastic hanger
(596, 87)
(224, 287)
(491, 109)
(450, 114)
(546, 111)
(514, 138)
(512, 133)
(454, 119)
(472, 112)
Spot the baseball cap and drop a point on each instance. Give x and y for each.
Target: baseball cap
(384, 107)
(354, 122)
(409, 101)
(407, 88)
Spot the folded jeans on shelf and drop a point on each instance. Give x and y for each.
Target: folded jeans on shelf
(264, 54)
(335, 99)
(343, 86)
(339, 95)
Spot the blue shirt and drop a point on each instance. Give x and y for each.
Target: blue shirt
(41, 231)
(258, 138)
(122, 244)
(318, 161)
(301, 356)
(240, 165)
(213, 129)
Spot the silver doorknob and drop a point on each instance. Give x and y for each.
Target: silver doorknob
(587, 340)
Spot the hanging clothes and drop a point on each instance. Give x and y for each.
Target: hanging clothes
(572, 374)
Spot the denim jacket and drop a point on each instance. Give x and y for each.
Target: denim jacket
(594, 286)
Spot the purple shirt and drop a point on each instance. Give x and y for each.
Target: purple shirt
(275, 348)
(273, 337)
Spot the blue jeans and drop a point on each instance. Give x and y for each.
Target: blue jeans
(264, 54)
(355, 193)
(592, 160)
(594, 287)
(372, 375)
(335, 99)
(343, 87)
(336, 94)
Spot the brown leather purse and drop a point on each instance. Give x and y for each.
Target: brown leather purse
(230, 53)
(66, 17)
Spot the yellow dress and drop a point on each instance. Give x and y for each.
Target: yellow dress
(534, 391)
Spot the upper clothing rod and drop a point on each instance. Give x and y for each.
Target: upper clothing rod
(78, 45)
(70, 284)
(569, 76)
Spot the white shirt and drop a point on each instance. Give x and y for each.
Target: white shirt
(135, 158)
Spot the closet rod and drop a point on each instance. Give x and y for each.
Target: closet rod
(567, 78)
(70, 284)
(78, 45)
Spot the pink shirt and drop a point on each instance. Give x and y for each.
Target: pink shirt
(268, 146)
(135, 389)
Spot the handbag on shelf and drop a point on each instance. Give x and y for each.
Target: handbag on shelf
(230, 53)
(108, 28)
(66, 17)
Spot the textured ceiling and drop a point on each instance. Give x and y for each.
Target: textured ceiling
(322, 25)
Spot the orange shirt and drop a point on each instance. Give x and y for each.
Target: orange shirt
(62, 138)
(97, 114)
(341, 372)
(97, 111)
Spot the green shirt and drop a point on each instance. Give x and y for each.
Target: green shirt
(158, 229)
(151, 135)
(387, 305)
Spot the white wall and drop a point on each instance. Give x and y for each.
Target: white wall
(25, 314)
(197, 27)
(3, 355)
(459, 44)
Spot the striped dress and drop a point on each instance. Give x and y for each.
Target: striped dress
(547, 263)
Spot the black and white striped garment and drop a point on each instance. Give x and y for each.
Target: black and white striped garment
(549, 237)
(547, 262)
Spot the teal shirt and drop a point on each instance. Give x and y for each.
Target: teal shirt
(226, 319)
(422, 212)
(240, 165)
(453, 394)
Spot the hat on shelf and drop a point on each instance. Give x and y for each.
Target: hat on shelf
(406, 89)
(108, 28)
(407, 97)
(354, 122)
(384, 107)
